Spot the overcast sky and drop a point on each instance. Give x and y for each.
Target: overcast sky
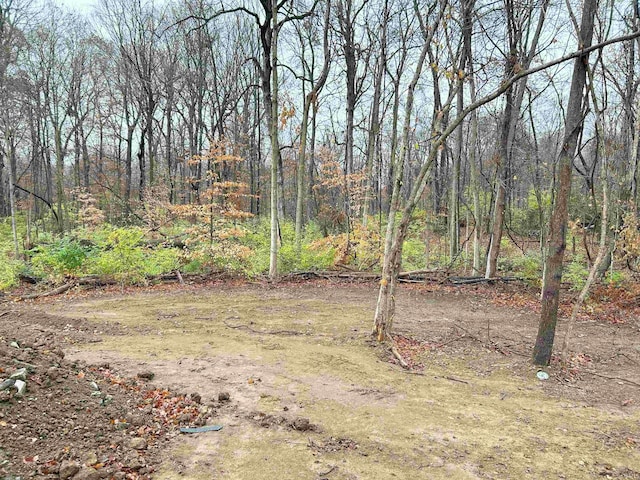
(80, 5)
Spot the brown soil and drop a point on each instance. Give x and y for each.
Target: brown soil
(75, 416)
(310, 395)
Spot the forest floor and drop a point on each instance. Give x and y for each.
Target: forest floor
(301, 391)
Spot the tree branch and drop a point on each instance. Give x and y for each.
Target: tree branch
(55, 214)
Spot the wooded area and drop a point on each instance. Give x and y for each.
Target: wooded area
(465, 123)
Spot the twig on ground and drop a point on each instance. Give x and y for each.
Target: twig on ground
(399, 357)
(262, 332)
(620, 379)
(454, 379)
(324, 474)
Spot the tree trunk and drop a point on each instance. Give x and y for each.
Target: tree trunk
(514, 96)
(270, 95)
(595, 268)
(475, 186)
(12, 195)
(558, 224)
(374, 126)
(310, 101)
(394, 240)
(300, 197)
(59, 178)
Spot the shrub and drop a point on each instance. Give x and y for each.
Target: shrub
(120, 256)
(528, 266)
(413, 254)
(9, 272)
(615, 279)
(63, 257)
(576, 273)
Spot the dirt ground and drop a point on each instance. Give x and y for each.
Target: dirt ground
(291, 374)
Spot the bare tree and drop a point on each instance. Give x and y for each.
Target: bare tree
(310, 99)
(558, 224)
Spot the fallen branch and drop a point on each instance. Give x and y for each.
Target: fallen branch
(55, 291)
(262, 332)
(474, 280)
(417, 273)
(409, 276)
(403, 363)
(324, 474)
(418, 280)
(454, 379)
(630, 382)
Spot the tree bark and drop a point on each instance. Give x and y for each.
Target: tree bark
(514, 96)
(269, 36)
(374, 125)
(310, 100)
(394, 240)
(558, 224)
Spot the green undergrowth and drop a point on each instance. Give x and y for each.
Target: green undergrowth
(135, 255)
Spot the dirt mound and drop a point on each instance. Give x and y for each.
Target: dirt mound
(65, 419)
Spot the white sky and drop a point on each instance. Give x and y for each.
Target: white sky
(79, 5)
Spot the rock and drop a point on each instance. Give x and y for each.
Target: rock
(94, 386)
(87, 473)
(224, 397)
(146, 375)
(53, 373)
(119, 476)
(21, 388)
(196, 397)
(10, 382)
(20, 374)
(138, 443)
(135, 463)
(90, 459)
(14, 345)
(49, 469)
(68, 469)
(135, 420)
(301, 424)
(184, 418)
(108, 472)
